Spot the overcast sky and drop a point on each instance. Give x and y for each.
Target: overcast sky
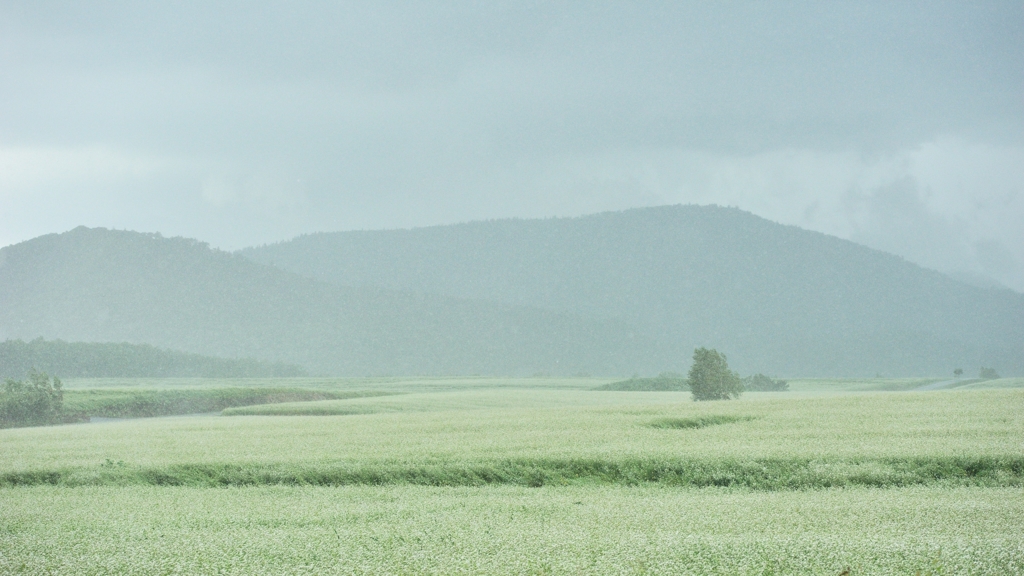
(897, 126)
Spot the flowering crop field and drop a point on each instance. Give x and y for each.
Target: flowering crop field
(466, 478)
(510, 530)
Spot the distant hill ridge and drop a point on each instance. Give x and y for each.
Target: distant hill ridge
(124, 360)
(618, 293)
(776, 298)
(98, 285)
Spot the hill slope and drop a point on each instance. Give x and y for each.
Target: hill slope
(123, 360)
(775, 298)
(109, 286)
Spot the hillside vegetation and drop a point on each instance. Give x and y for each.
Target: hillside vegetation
(612, 294)
(777, 299)
(124, 360)
(111, 286)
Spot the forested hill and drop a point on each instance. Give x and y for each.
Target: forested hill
(775, 298)
(98, 285)
(124, 360)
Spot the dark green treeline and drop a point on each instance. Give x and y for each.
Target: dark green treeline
(124, 360)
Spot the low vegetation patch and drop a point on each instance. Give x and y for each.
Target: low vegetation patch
(664, 382)
(988, 374)
(761, 383)
(148, 403)
(698, 421)
(757, 474)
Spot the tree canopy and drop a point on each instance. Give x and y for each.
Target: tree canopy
(710, 377)
(35, 402)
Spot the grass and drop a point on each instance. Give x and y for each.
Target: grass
(662, 383)
(757, 474)
(142, 403)
(832, 385)
(698, 422)
(471, 399)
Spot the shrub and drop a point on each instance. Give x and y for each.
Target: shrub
(761, 383)
(37, 402)
(710, 377)
(664, 382)
(988, 374)
(697, 422)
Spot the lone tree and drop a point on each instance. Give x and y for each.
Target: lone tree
(710, 377)
(958, 373)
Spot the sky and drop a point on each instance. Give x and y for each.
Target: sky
(895, 125)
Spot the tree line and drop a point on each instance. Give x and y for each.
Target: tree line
(709, 379)
(124, 360)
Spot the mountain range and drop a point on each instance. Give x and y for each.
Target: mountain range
(618, 293)
(98, 285)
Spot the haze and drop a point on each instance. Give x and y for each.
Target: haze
(899, 127)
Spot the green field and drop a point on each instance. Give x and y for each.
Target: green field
(543, 476)
(121, 402)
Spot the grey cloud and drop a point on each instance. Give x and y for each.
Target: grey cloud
(897, 220)
(270, 119)
(741, 76)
